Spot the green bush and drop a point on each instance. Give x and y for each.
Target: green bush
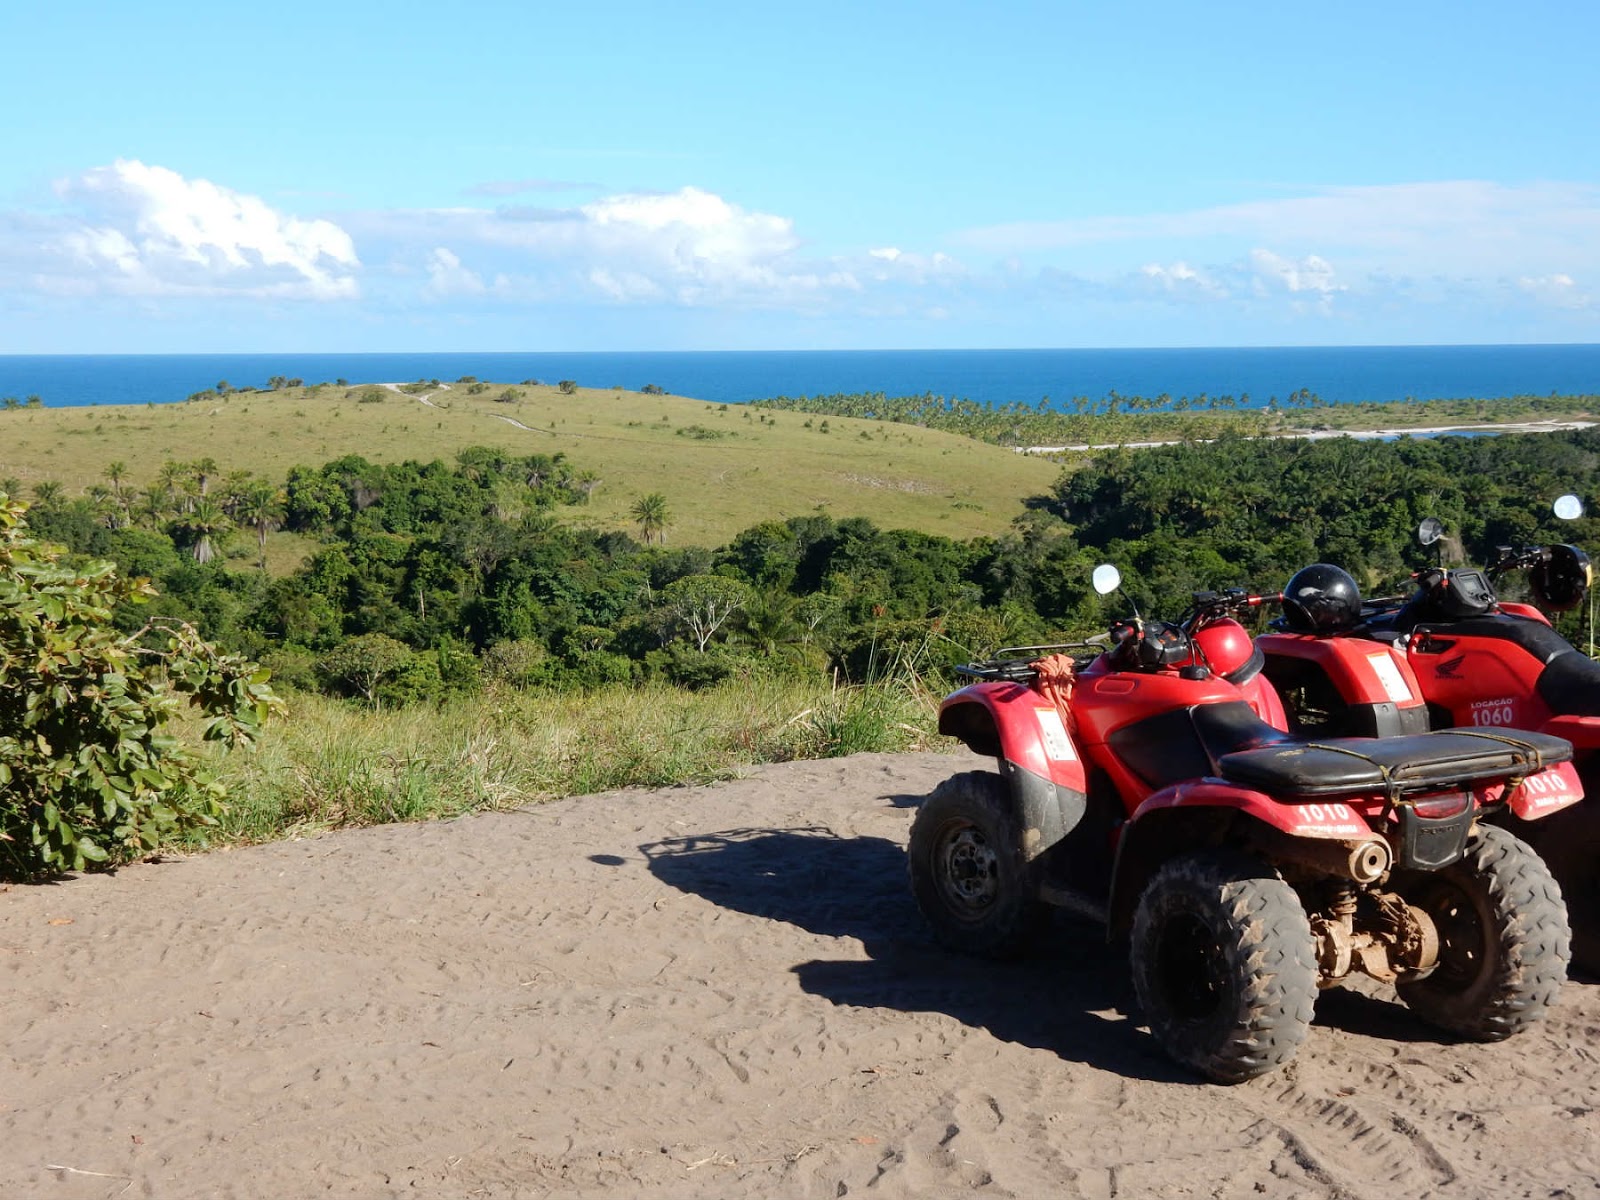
(684, 666)
(292, 667)
(415, 681)
(520, 662)
(88, 772)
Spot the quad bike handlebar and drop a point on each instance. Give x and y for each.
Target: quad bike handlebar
(1229, 602)
(1516, 558)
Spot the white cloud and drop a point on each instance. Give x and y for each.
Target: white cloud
(1457, 227)
(132, 230)
(692, 242)
(447, 277)
(624, 285)
(146, 230)
(1182, 280)
(1556, 291)
(1311, 274)
(689, 247)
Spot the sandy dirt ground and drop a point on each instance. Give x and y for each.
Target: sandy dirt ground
(719, 991)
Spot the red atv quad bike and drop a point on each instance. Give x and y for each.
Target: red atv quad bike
(1454, 655)
(1248, 868)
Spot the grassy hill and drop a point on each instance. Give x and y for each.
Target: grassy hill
(722, 468)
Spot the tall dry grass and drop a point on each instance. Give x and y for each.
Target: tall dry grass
(329, 764)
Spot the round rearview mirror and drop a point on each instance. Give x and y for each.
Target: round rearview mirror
(1568, 507)
(1107, 579)
(1430, 531)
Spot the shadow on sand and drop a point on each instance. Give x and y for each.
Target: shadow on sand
(1071, 998)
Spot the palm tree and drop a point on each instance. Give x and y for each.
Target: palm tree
(170, 478)
(106, 506)
(771, 623)
(200, 525)
(260, 506)
(47, 493)
(116, 472)
(204, 470)
(651, 513)
(120, 517)
(154, 503)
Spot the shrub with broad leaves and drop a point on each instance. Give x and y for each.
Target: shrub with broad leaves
(90, 772)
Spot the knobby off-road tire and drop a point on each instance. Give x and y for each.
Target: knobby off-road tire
(1223, 964)
(1503, 939)
(968, 874)
(1569, 843)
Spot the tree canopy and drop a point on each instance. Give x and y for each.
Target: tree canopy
(89, 772)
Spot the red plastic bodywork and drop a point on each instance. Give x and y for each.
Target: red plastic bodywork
(1032, 735)
(1582, 732)
(1479, 680)
(1106, 700)
(1549, 791)
(1523, 610)
(1263, 697)
(1030, 730)
(1361, 671)
(1327, 819)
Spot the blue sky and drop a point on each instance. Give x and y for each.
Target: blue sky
(345, 176)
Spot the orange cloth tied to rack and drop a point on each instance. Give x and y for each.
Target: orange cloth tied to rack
(1056, 679)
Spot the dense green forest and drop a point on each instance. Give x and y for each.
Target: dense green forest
(430, 579)
(1116, 418)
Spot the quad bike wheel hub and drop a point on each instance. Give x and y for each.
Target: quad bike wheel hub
(970, 868)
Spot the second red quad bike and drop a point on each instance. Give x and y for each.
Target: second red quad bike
(1453, 654)
(1248, 868)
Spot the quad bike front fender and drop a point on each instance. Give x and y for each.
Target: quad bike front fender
(1026, 735)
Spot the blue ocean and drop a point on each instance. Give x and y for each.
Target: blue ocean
(1342, 374)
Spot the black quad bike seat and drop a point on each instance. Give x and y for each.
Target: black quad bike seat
(1249, 752)
(1570, 685)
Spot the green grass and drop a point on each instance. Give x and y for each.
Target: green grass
(331, 765)
(722, 468)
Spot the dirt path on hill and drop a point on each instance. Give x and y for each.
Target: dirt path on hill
(719, 991)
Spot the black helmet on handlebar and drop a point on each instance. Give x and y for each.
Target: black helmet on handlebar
(1321, 598)
(1560, 580)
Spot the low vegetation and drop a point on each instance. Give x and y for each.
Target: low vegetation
(334, 765)
(89, 772)
(475, 630)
